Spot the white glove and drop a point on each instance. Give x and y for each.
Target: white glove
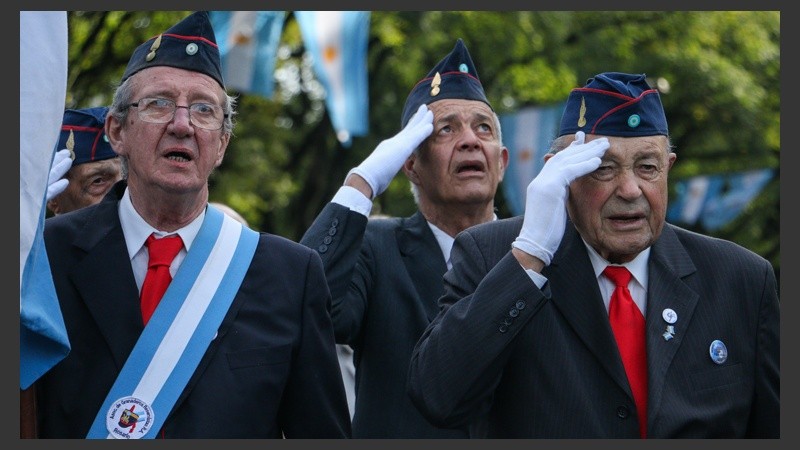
(61, 164)
(546, 196)
(388, 157)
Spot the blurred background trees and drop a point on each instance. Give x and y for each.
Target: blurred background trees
(719, 73)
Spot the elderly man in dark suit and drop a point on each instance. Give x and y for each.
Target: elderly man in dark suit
(534, 336)
(241, 344)
(385, 274)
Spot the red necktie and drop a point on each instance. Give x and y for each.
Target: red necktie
(162, 252)
(627, 323)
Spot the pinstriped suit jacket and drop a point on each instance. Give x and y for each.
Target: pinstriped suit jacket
(545, 365)
(385, 277)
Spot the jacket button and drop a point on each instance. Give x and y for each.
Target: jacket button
(331, 231)
(327, 240)
(322, 248)
(520, 305)
(503, 328)
(335, 223)
(514, 312)
(622, 412)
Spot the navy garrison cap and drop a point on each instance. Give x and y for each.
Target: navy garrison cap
(614, 104)
(83, 133)
(190, 44)
(454, 76)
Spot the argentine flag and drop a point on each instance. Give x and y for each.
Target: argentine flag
(716, 200)
(527, 134)
(43, 338)
(337, 42)
(248, 42)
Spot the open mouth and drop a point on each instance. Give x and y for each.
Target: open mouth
(468, 167)
(178, 156)
(627, 218)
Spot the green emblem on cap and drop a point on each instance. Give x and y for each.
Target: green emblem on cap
(634, 120)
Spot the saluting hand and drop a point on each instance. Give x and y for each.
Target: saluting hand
(546, 196)
(388, 157)
(61, 165)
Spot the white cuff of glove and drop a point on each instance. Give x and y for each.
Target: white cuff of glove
(377, 189)
(533, 249)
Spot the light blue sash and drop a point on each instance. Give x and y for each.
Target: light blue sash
(179, 332)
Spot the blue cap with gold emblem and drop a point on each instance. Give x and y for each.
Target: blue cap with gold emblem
(614, 104)
(454, 76)
(190, 44)
(83, 133)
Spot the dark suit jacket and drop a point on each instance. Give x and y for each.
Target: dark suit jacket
(545, 364)
(271, 371)
(385, 277)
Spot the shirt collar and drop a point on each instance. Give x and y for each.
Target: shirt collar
(446, 241)
(637, 266)
(136, 229)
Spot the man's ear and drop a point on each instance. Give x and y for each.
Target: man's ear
(410, 170)
(113, 130)
(224, 140)
(53, 206)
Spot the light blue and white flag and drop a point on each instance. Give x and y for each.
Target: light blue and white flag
(42, 93)
(736, 192)
(248, 44)
(690, 198)
(527, 134)
(337, 42)
(716, 200)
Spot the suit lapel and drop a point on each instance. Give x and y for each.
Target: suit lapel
(423, 260)
(669, 264)
(113, 298)
(577, 296)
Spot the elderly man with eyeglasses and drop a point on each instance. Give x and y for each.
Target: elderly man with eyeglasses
(227, 336)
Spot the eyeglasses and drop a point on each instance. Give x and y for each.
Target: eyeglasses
(162, 110)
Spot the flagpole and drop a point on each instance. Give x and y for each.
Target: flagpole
(27, 413)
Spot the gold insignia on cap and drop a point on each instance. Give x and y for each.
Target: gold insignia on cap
(71, 145)
(582, 116)
(437, 80)
(153, 48)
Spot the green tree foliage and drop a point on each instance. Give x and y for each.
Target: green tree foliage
(719, 73)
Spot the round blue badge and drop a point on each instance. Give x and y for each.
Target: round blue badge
(463, 68)
(191, 49)
(718, 352)
(634, 120)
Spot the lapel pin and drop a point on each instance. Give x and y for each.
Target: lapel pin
(718, 352)
(670, 333)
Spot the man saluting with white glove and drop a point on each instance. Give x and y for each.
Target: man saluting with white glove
(591, 317)
(385, 274)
